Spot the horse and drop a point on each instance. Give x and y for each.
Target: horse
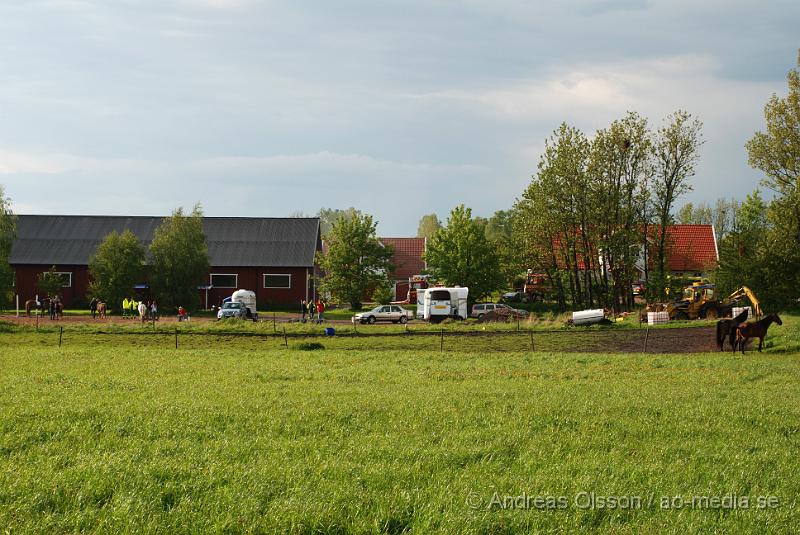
(757, 329)
(101, 309)
(30, 306)
(727, 328)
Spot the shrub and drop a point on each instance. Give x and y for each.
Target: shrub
(310, 346)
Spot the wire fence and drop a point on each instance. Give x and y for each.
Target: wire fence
(619, 340)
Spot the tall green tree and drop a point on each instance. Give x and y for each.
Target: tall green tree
(460, 254)
(675, 154)
(428, 226)
(117, 265)
(329, 216)
(356, 262)
(180, 259)
(50, 282)
(776, 152)
(8, 226)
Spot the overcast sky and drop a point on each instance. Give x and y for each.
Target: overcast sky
(399, 108)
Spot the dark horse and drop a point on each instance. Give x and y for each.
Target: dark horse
(727, 328)
(758, 330)
(30, 306)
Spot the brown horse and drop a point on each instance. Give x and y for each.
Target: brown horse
(757, 329)
(30, 306)
(727, 329)
(101, 310)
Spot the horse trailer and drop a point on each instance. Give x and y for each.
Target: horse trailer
(437, 304)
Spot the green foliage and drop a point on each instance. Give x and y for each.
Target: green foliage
(117, 265)
(428, 226)
(776, 152)
(356, 263)
(180, 260)
(460, 254)
(675, 154)
(8, 224)
(383, 294)
(50, 282)
(329, 216)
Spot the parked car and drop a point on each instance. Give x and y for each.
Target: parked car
(232, 309)
(515, 297)
(480, 309)
(393, 313)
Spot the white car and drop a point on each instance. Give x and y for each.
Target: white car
(391, 313)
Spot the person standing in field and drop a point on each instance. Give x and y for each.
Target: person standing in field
(93, 307)
(142, 310)
(320, 310)
(312, 310)
(125, 306)
(154, 310)
(303, 309)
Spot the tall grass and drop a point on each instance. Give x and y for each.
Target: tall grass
(202, 439)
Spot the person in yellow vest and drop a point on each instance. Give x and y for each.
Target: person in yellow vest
(134, 307)
(125, 306)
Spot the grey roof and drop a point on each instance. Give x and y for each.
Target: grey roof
(232, 241)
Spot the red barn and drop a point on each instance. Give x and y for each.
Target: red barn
(272, 256)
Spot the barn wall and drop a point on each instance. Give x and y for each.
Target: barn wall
(249, 278)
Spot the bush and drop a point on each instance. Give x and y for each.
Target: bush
(383, 295)
(310, 346)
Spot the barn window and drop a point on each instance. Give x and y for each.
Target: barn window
(66, 278)
(272, 280)
(224, 280)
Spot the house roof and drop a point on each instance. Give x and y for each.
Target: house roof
(407, 257)
(232, 241)
(691, 247)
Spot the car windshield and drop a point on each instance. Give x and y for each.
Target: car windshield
(232, 305)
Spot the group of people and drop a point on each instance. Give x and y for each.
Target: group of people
(314, 309)
(56, 308)
(147, 310)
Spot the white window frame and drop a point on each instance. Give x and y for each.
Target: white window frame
(264, 280)
(65, 273)
(212, 275)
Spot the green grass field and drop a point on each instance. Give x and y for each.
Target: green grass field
(125, 433)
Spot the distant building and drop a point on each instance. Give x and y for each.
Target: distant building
(272, 256)
(407, 261)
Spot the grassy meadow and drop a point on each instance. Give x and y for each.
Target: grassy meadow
(126, 434)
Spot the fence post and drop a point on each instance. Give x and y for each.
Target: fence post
(285, 340)
(646, 335)
(37, 320)
(532, 349)
(517, 323)
(441, 343)
(176, 338)
(60, 335)
(274, 326)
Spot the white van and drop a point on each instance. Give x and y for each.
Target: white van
(436, 304)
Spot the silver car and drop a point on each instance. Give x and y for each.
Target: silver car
(232, 309)
(393, 313)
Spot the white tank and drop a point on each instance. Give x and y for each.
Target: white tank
(587, 317)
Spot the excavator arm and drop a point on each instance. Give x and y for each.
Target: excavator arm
(744, 291)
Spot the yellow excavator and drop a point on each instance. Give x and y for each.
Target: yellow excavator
(698, 302)
(744, 291)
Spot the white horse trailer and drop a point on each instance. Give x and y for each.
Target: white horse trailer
(436, 304)
(248, 299)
